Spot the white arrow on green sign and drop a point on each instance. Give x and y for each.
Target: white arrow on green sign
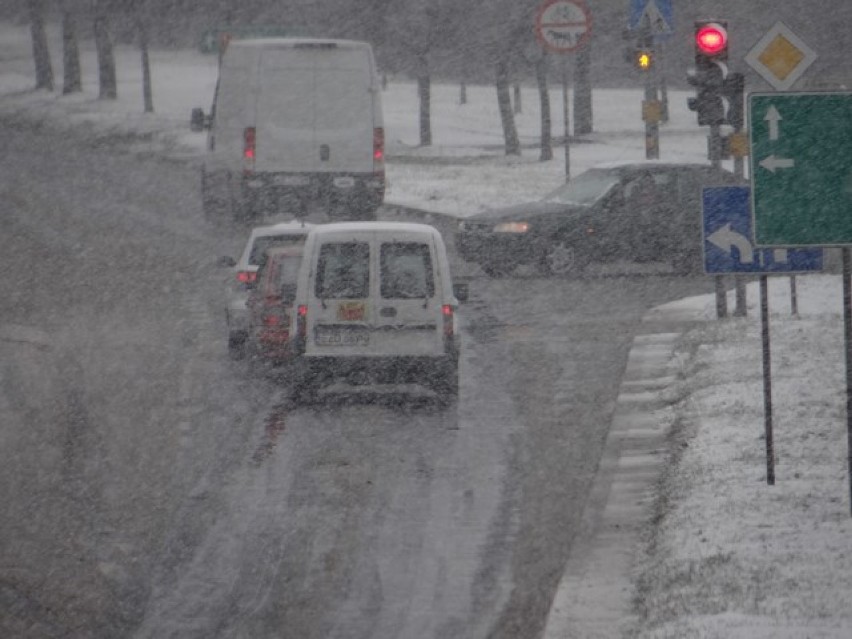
(801, 168)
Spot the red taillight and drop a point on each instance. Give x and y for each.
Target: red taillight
(378, 145)
(273, 320)
(249, 143)
(247, 277)
(447, 312)
(302, 321)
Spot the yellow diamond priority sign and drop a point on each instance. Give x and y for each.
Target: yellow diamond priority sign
(781, 57)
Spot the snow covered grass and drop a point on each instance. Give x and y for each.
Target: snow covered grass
(728, 556)
(732, 556)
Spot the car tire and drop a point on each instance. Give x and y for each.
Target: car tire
(561, 258)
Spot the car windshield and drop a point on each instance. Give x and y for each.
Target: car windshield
(584, 190)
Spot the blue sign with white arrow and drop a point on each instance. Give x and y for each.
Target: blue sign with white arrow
(658, 12)
(729, 238)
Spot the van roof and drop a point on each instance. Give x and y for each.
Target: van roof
(360, 227)
(295, 227)
(292, 43)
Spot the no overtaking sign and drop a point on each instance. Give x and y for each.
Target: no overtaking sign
(563, 26)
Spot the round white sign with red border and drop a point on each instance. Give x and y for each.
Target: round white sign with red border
(563, 26)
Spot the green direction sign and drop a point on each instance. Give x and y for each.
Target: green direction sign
(801, 168)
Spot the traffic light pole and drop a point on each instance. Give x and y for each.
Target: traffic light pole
(714, 149)
(650, 106)
(652, 124)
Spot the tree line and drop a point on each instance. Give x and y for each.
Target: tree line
(453, 40)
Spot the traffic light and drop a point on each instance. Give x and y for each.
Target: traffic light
(711, 52)
(711, 41)
(643, 59)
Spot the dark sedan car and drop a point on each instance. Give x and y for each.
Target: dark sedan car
(640, 212)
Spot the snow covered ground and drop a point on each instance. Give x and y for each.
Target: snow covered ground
(729, 555)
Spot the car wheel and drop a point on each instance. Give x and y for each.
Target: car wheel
(498, 269)
(562, 258)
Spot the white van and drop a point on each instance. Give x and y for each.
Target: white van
(376, 305)
(295, 122)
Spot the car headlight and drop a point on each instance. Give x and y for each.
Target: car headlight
(512, 227)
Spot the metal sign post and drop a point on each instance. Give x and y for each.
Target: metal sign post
(729, 248)
(565, 112)
(847, 329)
(563, 26)
(767, 381)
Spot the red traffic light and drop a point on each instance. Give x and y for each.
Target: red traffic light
(711, 38)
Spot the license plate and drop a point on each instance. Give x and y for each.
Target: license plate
(344, 182)
(291, 180)
(342, 336)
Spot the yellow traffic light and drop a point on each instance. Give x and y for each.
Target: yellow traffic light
(644, 60)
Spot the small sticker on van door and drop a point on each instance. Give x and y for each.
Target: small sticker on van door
(351, 311)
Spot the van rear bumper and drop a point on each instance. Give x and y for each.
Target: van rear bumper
(327, 188)
(426, 370)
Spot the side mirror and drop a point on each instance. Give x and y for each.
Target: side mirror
(288, 293)
(461, 290)
(197, 120)
(226, 261)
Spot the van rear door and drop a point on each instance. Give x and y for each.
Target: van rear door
(344, 110)
(341, 312)
(285, 111)
(408, 308)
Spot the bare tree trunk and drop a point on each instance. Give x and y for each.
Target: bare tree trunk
(41, 52)
(518, 107)
(424, 82)
(72, 81)
(106, 59)
(544, 98)
(147, 93)
(583, 93)
(504, 102)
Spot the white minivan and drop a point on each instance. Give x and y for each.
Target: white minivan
(295, 123)
(375, 304)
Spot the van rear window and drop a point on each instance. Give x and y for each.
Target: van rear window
(406, 271)
(343, 271)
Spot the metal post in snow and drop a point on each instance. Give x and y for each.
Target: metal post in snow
(565, 115)
(740, 309)
(794, 298)
(721, 298)
(847, 326)
(767, 382)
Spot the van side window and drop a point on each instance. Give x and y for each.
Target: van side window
(406, 271)
(343, 271)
